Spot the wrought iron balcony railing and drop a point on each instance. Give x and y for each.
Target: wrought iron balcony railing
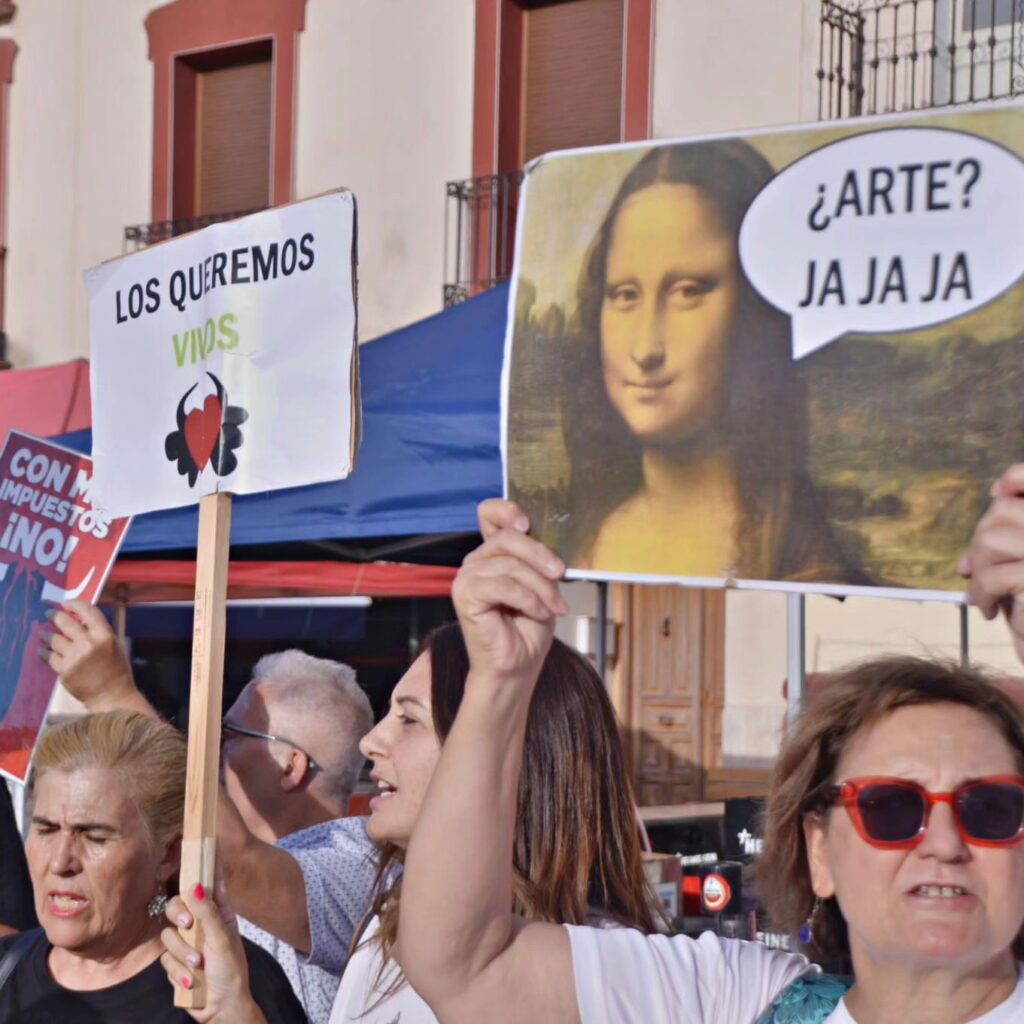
(883, 56)
(137, 236)
(479, 236)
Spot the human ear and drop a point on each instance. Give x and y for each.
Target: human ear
(171, 860)
(816, 842)
(294, 771)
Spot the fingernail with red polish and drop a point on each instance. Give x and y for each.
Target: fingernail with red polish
(199, 892)
(186, 982)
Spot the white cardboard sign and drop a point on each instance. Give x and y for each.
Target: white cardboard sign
(225, 360)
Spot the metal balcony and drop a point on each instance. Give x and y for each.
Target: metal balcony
(138, 236)
(884, 56)
(480, 231)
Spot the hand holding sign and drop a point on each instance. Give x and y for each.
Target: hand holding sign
(994, 562)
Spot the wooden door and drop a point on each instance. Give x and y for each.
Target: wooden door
(670, 693)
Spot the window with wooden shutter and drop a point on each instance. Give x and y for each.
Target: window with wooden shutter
(233, 138)
(223, 106)
(572, 75)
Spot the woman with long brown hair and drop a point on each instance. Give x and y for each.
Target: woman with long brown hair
(576, 847)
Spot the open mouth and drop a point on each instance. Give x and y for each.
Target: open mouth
(66, 904)
(939, 892)
(385, 791)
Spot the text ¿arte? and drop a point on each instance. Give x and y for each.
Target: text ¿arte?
(907, 188)
(251, 264)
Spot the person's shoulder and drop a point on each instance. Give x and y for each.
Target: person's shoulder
(256, 956)
(28, 940)
(811, 997)
(336, 834)
(707, 949)
(270, 986)
(704, 978)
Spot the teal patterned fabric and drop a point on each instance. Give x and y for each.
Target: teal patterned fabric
(809, 1000)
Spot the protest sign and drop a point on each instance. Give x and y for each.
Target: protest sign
(225, 360)
(54, 545)
(787, 359)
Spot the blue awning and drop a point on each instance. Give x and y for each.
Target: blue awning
(429, 454)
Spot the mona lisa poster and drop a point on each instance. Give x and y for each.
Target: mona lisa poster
(790, 358)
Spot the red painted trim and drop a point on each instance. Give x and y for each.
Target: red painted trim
(8, 51)
(189, 26)
(485, 87)
(510, 87)
(636, 73)
(183, 141)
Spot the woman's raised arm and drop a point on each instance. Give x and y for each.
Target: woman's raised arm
(459, 943)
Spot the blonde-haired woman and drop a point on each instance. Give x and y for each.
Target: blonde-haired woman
(103, 853)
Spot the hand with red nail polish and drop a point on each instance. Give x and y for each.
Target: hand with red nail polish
(222, 963)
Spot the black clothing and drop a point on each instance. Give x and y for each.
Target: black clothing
(31, 996)
(17, 909)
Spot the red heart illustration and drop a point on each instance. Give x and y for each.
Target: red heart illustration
(202, 428)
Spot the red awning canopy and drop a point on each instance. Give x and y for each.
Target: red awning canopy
(45, 400)
(151, 581)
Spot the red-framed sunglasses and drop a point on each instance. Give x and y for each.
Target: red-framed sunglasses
(892, 814)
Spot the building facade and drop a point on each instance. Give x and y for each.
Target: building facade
(125, 121)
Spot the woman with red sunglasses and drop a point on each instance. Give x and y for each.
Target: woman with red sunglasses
(894, 831)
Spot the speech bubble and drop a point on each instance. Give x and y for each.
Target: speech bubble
(887, 231)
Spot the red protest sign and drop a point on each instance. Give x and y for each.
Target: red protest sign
(53, 546)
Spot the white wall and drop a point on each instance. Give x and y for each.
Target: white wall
(385, 107)
(79, 141)
(721, 65)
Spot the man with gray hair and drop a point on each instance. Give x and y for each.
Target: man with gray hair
(290, 759)
(290, 743)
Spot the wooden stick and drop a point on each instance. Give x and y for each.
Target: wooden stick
(200, 828)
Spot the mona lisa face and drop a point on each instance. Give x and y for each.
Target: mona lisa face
(670, 295)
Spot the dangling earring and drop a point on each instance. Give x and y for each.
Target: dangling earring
(158, 904)
(806, 932)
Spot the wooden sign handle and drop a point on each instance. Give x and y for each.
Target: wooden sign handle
(200, 827)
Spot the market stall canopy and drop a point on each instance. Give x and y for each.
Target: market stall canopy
(430, 450)
(45, 400)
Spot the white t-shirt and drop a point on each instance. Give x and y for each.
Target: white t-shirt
(358, 991)
(623, 976)
(1010, 1011)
